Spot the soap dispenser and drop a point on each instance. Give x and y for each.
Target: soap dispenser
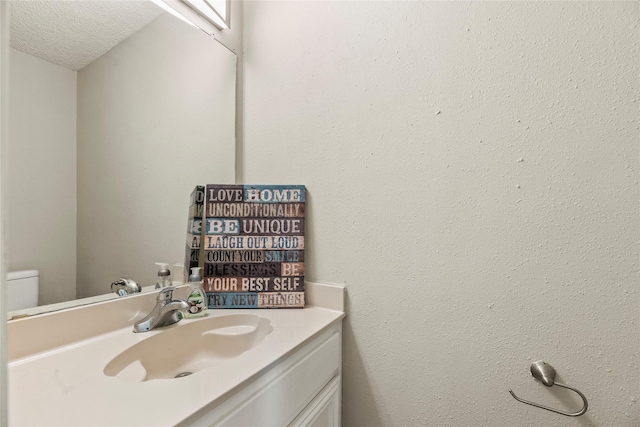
(196, 297)
(164, 275)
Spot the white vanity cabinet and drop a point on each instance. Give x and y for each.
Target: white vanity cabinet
(291, 378)
(303, 389)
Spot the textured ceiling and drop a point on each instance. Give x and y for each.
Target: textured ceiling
(75, 33)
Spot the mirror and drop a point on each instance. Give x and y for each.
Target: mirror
(117, 110)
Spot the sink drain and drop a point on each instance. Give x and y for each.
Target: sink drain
(183, 374)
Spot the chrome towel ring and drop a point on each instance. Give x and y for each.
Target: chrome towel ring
(545, 373)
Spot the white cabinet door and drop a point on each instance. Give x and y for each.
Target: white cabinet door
(283, 393)
(324, 410)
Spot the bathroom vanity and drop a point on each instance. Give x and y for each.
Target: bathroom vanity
(290, 375)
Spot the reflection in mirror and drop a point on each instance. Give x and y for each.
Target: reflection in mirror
(107, 140)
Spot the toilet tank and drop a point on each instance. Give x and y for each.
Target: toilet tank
(22, 289)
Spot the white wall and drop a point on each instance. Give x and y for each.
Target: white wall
(142, 150)
(41, 174)
(472, 171)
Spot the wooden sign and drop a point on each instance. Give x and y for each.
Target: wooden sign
(253, 242)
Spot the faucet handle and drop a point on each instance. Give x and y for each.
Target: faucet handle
(165, 294)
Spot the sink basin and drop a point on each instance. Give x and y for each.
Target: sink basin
(189, 347)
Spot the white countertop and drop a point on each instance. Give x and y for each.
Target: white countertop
(66, 386)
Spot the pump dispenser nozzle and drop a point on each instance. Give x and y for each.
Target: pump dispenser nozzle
(164, 266)
(195, 274)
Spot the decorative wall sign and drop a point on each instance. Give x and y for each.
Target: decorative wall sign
(253, 242)
(194, 231)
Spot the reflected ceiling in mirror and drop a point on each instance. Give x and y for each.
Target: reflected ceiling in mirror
(103, 156)
(76, 33)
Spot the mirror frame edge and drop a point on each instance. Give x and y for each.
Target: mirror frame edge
(4, 85)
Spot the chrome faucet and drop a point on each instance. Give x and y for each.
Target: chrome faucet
(124, 287)
(166, 312)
